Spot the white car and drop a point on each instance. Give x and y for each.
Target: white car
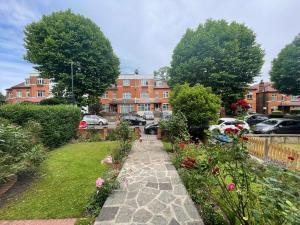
(148, 115)
(225, 123)
(94, 119)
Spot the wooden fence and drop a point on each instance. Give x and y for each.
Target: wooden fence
(263, 149)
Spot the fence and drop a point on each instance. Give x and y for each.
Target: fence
(264, 148)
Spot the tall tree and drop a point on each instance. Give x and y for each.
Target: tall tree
(162, 73)
(223, 56)
(63, 40)
(285, 72)
(2, 98)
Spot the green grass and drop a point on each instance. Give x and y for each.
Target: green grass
(167, 146)
(66, 182)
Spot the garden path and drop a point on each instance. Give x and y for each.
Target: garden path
(151, 191)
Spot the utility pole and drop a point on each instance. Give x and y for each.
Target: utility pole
(72, 77)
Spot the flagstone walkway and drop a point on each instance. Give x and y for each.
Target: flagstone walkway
(151, 191)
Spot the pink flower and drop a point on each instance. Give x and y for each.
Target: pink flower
(107, 160)
(231, 187)
(99, 182)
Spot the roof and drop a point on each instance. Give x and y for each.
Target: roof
(268, 87)
(20, 85)
(135, 76)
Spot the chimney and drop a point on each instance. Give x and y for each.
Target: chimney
(261, 86)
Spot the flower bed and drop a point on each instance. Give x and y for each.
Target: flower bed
(232, 188)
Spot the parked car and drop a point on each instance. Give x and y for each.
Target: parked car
(255, 119)
(165, 115)
(134, 120)
(278, 126)
(151, 128)
(94, 120)
(148, 115)
(225, 123)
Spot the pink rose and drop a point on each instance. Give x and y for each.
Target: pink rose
(99, 182)
(231, 187)
(107, 160)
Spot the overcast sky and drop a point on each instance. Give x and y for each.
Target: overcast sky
(143, 33)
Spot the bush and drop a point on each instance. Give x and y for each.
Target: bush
(53, 101)
(295, 111)
(18, 152)
(58, 123)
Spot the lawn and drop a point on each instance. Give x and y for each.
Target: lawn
(66, 182)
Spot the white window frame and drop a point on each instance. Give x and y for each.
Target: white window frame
(294, 98)
(166, 94)
(105, 95)
(106, 108)
(158, 83)
(19, 94)
(28, 93)
(144, 107)
(27, 81)
(249, 96)
(165, 107)
(144, 94)
(126, 108)
(126, 82)
(273, 97)
(39, 81)
(38, 94)
(126, 95)
(144, 82)
(114, 95)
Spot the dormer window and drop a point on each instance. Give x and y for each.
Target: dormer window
(40, 81)
(27, 81)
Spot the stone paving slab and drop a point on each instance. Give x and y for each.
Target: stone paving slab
(151, 191)
(39, 222)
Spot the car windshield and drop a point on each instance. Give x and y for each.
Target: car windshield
(270, 122)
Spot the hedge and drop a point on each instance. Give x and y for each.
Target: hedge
(59, 122)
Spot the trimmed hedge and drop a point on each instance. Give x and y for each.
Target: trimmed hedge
(59, 122)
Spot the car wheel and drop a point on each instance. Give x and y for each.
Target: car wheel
(152, 132)
(100, 123)
(140, 123)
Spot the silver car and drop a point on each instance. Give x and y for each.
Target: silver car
(148, 115)
(95, 120)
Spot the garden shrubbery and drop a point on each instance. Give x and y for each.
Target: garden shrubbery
(58, 122)
(20, 149)
(232, 188)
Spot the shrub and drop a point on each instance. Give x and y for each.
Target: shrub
(58, 123)
(295, 111)
(54, 101)
(18, 152)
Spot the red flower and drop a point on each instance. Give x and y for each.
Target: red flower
(233, 107)
(291, 158)
(188, 162)
(244, 138)
(231, 187)
(230, 130)
(181, 146)
(239, 126)
(215, 170)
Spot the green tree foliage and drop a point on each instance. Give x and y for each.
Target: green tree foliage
(162, 73)
(2, 99)
(220, 55)
(285, 72)
(64, 37)
(197, 103)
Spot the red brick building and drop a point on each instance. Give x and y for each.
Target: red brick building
(264, 98)
(34, 89)
(134, 92)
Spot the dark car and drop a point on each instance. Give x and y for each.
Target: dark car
(255, 119)
(134, 120)
(278, 126)
(151, 128)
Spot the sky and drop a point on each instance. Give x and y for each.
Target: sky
(143, 33)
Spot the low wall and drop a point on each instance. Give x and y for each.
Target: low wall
(279, 138)
(88, 133)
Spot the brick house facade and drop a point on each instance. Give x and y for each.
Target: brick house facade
(264, 98)
(134, 92)
(34, 89)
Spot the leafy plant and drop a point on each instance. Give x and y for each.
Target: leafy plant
(125, 137)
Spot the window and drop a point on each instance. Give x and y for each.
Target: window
(19, 94)
(105, 108)
(40, 81)
(156, 94)
(166, 94)
(294, 97)
(283, 98)
(126, 82)
(158, 83)
(105, 95)
(28, 93)
(114, 95)
(144, 95)
(126, 108)
(144, 82)
(249, 96)
(274, 108)
(40, 94)
(126, 95)
(144, 107)
(165, 107)
(27, 81)
(274, 97)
